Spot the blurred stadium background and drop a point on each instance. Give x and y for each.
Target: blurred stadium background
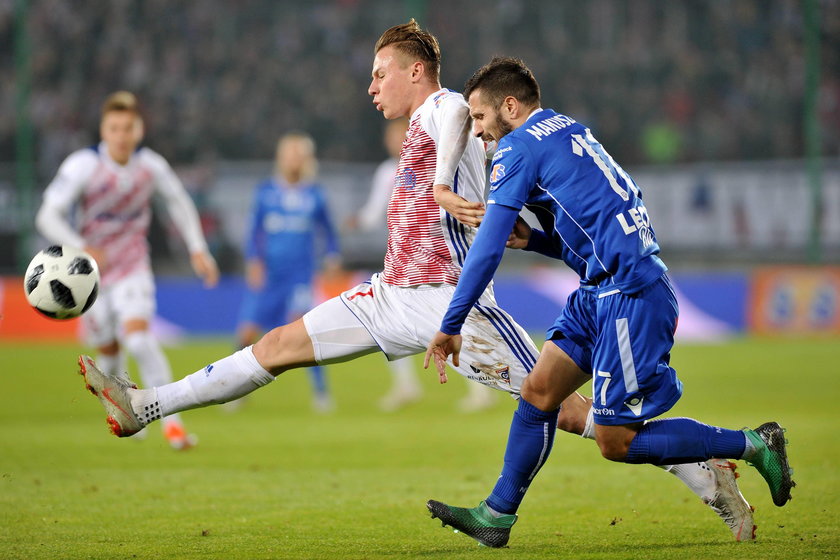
(726, 113)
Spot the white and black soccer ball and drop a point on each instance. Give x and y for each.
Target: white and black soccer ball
(61, 282)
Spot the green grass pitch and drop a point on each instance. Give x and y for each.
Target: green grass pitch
(276, 480)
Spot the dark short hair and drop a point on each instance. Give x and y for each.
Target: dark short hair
(414, 42)
(502, 77)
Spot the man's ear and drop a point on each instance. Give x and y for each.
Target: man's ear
(418, 70)
(511, 107)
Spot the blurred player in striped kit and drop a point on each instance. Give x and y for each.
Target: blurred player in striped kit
(110, 186)
(437, 202)
(291, 231)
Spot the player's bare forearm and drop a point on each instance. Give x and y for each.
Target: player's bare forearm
(466, 212)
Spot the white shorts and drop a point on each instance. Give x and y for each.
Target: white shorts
(402, 321)
(132, 297)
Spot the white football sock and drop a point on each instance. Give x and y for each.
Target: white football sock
(225, 380)
(109, 364)
(151, 362)
(697, 476)
(749, 449)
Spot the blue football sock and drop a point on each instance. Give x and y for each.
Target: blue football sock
(529, 443)
(319, 380)
(672, 441)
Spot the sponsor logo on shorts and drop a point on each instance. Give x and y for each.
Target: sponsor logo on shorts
(603, 411)
(207, 370)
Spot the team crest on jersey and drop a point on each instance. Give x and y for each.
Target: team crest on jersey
(406, 179)
(497, 173)
(504, 374)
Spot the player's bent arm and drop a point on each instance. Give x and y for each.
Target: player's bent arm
(452, 141)
(183, 213)
(51, 222)
(59, 197)
(180, 206)
(541, 243)
(483, 259)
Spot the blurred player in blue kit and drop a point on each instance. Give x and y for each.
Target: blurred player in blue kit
(616, 329)
(290, 228)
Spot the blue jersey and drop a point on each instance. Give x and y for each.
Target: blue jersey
(589, 208)
(591, 212)
(290, 229)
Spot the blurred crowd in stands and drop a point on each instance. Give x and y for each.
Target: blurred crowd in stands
(658, 82)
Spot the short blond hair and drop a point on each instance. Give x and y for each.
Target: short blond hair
(120, 101)
(415, 43)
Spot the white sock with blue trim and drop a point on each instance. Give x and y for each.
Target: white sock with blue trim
(225, 380)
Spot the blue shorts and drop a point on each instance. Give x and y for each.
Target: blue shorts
(625, 342)
(276, 304)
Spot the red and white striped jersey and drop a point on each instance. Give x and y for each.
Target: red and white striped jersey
(113, 207)
(425, 244)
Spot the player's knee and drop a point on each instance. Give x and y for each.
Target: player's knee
(538, 392)
(267, 350)
(284, 348)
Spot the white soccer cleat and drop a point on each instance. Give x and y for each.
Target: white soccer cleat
(729, 503)
(113, 394)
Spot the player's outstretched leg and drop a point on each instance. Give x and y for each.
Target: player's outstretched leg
(728, 502)
(478, 522)
(113, 394)
(129, 408)
(769, 457)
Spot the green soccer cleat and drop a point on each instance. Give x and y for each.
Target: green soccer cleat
(476, 522)
(771, 460)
